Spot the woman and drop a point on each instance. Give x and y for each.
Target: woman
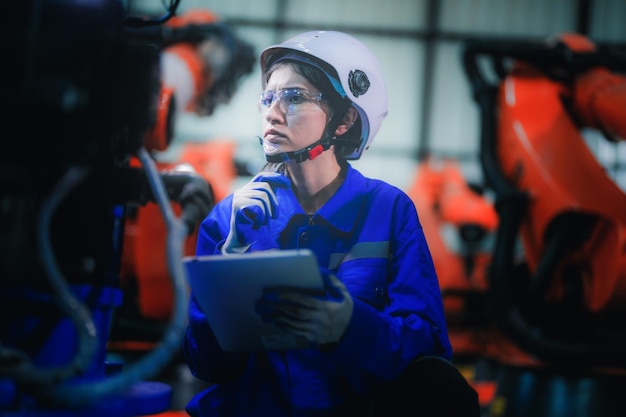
(323, 101)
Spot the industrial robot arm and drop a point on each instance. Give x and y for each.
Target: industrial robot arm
(564, 301)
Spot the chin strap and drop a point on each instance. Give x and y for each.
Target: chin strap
(310, 152)
(316, 148)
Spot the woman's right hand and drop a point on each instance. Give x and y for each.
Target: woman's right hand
(253, 206)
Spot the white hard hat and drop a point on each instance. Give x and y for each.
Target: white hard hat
(358, 75)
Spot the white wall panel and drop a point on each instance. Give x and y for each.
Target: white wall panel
(395, 14)
(401, 62)
(608, 20)
(454, 125)
(228, 9)
(508, 17)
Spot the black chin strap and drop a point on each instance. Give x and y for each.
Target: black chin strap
(315, 149)
(310, 152)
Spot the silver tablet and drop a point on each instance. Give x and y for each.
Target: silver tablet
(227, 287)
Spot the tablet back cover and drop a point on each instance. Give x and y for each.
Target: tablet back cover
(227, 288)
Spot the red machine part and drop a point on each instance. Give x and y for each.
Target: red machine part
(445, 204)
(600, 100)
(541, 150)
(191, 17)
(160, 135)
(599, 95)
(195, 66)
(558, 273)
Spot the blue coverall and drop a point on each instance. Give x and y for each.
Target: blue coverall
(369, 235)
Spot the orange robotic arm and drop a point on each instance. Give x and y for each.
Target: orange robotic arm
(562, 301)
(600, 100)
(599, 95)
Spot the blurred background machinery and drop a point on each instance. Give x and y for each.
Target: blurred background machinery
(127, 120)
(557, 271)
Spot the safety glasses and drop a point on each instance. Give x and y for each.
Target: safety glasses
(290, 100)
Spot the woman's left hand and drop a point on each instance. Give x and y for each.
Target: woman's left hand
(320, 320)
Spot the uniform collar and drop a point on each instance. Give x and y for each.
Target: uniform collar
(341, 211)
(345, 207)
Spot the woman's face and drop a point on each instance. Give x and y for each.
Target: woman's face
(292, 114)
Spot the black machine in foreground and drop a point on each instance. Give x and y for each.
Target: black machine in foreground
(82, 93)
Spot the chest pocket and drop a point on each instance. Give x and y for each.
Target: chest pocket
(366, 279)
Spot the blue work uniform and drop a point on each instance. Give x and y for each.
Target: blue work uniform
(368, 234)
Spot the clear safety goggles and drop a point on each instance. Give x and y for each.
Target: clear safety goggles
(290, 100)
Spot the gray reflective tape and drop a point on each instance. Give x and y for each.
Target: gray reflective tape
(359, 251)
